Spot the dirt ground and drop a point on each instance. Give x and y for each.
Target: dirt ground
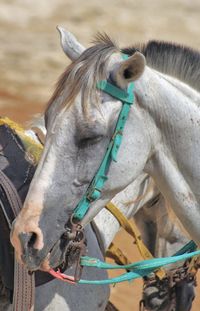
(31, 59)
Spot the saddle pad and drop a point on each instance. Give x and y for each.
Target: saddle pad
(18, 165)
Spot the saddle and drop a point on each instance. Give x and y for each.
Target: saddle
(17, 164)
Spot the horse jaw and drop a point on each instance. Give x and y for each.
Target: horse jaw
(70, 45)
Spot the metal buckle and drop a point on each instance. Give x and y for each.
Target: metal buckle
(78, 245)
(91, 192)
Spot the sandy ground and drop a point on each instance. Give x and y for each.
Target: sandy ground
(31, 59)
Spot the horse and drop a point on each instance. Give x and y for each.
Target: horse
(160, 235)
(80, 121)
(105, 229)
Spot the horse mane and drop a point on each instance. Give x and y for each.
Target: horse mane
(83, 73)
(175, 60)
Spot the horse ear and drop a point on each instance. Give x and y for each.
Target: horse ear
(70, 45)
(129, 70)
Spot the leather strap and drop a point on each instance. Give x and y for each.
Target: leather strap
(117, 255)
(24, 283)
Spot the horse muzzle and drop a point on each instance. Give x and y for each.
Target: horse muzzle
(63, 254)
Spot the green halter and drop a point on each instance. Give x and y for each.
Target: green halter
(93, 192)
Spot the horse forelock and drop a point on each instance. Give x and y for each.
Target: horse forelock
(175, 60)
(83, 73)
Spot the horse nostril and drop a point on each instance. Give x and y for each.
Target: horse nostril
(32, 239)
(28, 240)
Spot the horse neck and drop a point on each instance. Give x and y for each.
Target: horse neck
(161, 94)
(128, 201)
(173, 162)
(183, 88)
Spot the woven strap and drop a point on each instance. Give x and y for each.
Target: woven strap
(24, 283)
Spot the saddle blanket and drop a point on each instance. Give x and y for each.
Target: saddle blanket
(19, 155)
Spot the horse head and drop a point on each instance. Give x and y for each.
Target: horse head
(81, 118)
(80, 121)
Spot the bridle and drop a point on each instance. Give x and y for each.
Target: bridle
(93, 193)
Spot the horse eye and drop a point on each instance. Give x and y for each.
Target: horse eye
(89, 141)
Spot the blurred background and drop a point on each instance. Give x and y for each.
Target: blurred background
(31, 58)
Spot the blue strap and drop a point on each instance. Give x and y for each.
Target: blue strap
(138, 269)
(116, 92)
(94, 190)
(187, 248)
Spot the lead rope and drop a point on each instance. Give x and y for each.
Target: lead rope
(24, 282)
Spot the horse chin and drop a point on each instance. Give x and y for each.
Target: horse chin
(63, 255)
(48, 264)
(52, 261)
(56, 257)
(45, 265)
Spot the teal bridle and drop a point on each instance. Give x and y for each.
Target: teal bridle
(93, 193)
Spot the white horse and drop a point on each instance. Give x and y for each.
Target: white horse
(158, 233)
(161, 139)
(55, 294)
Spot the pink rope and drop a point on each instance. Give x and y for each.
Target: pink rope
(61, 276)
